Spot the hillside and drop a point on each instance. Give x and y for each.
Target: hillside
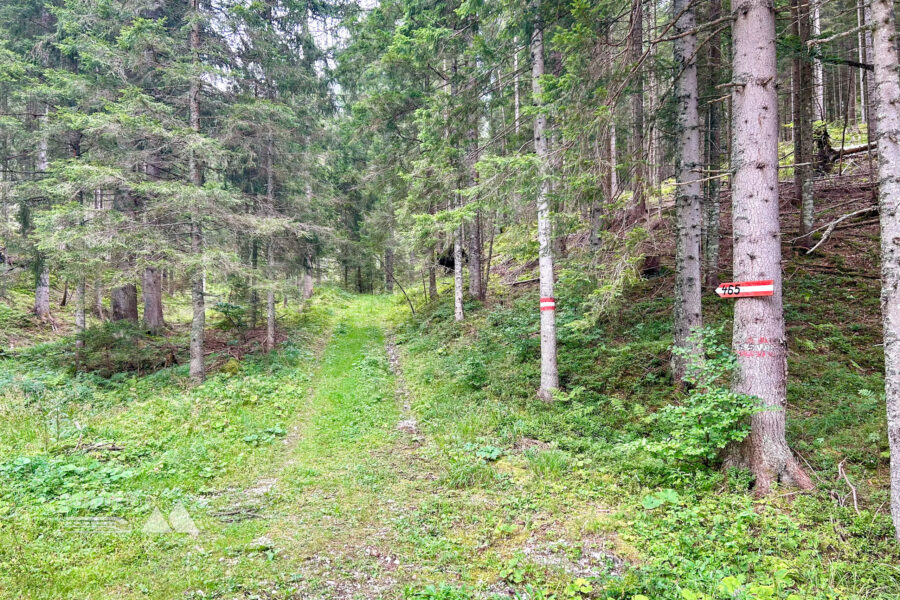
(380, 454)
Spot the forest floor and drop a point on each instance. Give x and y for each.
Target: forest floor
(305, 475)
(374, 455)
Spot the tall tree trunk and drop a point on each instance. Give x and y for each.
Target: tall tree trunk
(270, 250)
(432, 274)
(638, 209)
(307, 285)
(98, 301)
(688, 317)
(123, 301)
(80, 321)
(42, 290)
(389, 269)
(151, 289)
(516, 98)
(198, 300)
(42, 271)
(458, 312)
(759, 337)
(458, 236)
(4, 203)
(652, 98)
(818, 71)
(549, 370)
(868, 39)
(887, 114)
(476, 289)
(871, 119)
(308, 267)
(471, 177)
(803, 117)
(254, 281)
(270, 299)
(861, 55)
(613, 158)
(711, 202)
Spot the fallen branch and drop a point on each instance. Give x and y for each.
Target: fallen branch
(837, 36)
(525, 281)
(829, 229)
(842, 473)
(394, 279)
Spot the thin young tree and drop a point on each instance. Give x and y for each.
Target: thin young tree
(802, 76)
(638, 208)
(886, 99)
(759, 335)
(198, 301)
(42, 266)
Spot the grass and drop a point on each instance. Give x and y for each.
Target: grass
(301, 484)
(684, 529)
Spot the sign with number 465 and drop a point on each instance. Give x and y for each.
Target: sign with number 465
(746, 289)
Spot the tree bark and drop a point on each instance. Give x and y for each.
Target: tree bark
(458, 237)
(458, 312)
(613, 158)
(124, 303)
(638, 209)
(516, 100)
(270, 300)
(688, 316)
(80, 321)
(803, 117)
(42, 279)
(307, 285)
(254, 281)
(887, 115)
(471, 175)
(432, 274)
(309, 266)
(861, 54)
(547, 305)
(98, 301)
(759, 337)
(818, 71)
(868, 79)
(198, 300)
(151, 289)
(42, 291)
(270, 249)
(432, 263)
(389, 269)
(711, 201)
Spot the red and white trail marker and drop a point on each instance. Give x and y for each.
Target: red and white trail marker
(746, 289)
(548, 304)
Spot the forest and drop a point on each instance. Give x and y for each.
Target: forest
(449, 299)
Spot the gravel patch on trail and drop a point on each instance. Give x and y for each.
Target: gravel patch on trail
(407, 423)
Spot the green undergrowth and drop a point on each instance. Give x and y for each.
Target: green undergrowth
(82, 455)
(308, 477)
(684, 527)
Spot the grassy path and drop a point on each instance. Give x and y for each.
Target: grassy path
(298, 478)
(348, 466)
